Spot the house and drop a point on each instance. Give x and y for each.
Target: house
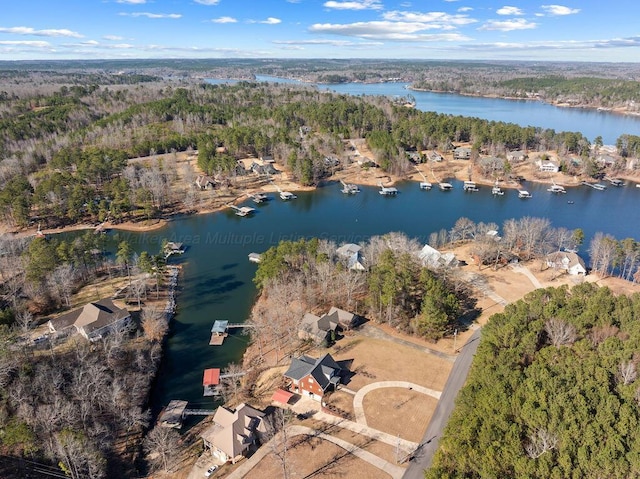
(205, 182)
(321, 330)
(351, 254)
(548, 166)
(263, 168)
(567, 261)
(313, 377)
(433, 258)
(604, 161)
(345, 319)
(462, 153)
(516, 156)
(233, 432)
(435, 156)
(93, 320)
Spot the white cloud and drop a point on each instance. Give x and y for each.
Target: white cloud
(334, 43)
(559, 10)
(132, 2)
(26, 43)
(507, 10)
(465, 9)
(151, 15)
(113, 38)
(293, 1)
(268, 21)
(207, 2)
(508, 25)
(431, 19)
(394, 31)
(354, 5)
(51, 32)
(224, 20)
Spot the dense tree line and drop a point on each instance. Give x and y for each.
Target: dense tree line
(395, 288)
(552, 392)
(64, 154)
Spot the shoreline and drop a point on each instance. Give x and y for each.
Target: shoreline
(617, 111)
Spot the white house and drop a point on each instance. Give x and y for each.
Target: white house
(567, 261)
(433, 258)
(548, 166)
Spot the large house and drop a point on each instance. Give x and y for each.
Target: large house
(548, 166)
(313, 377)
(352, 254)
(516, 156)
(462, 153)
(322, 329)
(233, 432)
(433, 258)
(567, 261)
(93, 320)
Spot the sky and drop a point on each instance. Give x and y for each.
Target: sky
(580, 30)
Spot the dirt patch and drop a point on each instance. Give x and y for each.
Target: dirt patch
(400, 412)
(315, 457)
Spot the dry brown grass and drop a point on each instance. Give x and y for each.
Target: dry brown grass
(314, 455)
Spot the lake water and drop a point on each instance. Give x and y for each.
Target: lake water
(217, 276)
(591, 123)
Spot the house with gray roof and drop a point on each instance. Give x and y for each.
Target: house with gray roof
(351, 253)
(313, 377)
(567, 261)
(92, 321)
(234, 432)
(321, 330)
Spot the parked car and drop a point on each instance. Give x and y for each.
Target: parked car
(210, 471)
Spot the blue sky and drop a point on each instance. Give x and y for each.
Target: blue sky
(581, 30)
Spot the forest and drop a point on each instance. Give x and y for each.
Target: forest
(552, 393)
(65, 149)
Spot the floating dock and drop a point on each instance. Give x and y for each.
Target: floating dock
(497, 191)
(595, 186)
(243, 210)
(220, 330)
(349, 188)
(556, 189)
(258, 197)
(470, 186)
(387, 190)
(173, 415)
(615, 181)
(425, 185)
(287, 195)
(445, 186)
(524, 194)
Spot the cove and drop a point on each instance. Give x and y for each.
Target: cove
(216, 282)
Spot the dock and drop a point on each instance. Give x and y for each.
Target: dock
(287, 195)
(243, 210)
(387, 190)
(220, 330)
(615, 181)
(595, 186)
(524, 194)
(470, 186)
(177, 410)
(258, 197)
(425, 185)
(497, 191)
(556, 189)
(349, 188)
(445, 186)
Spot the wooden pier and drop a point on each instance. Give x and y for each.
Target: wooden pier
(595, 186)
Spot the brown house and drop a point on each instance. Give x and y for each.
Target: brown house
(313, 377)
(234, 432)
(93, 320)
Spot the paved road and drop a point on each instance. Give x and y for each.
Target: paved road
(423, 457)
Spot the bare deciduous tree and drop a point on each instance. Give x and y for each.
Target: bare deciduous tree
(154, 324)
(560, 332)
(540, 441)
(628, 372)
(161, 445)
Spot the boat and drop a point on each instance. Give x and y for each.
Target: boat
(556, 189)
(287, 195)
(524, 194)
(570, 202)
(445, 186)
(470, 186)
(425, 185)
(255, 257)
(496, 190)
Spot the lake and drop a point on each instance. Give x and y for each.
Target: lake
(217, 276)
(591, 123)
